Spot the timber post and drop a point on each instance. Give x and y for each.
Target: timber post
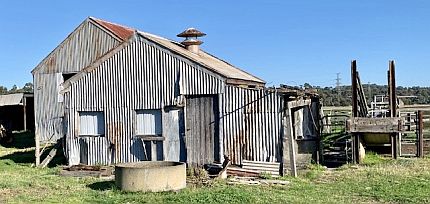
(420, 134)
(37, 150)
(393, 106)
(355, 136)
(288, 143)
(24, 109)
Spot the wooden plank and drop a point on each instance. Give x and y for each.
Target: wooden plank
(420, 145)
(51, 154)
(356, 138)
(374, 125)
(49, 158)
(24, 109)
(204, 130)
(336, 108)
(200, 129)
(248, 162)
(153, 151)
(393, 105)
(251, 172)
(261, 165)
(173, 144)
(298, 103)
(263, 169)
(151, 138)
(289, 152)
(37, 150)
(199, 148)
(189, 114)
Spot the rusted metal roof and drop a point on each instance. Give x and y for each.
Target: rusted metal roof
(120, 31)
(11, 99)
(233, 74)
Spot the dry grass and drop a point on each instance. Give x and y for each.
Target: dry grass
(378, 180)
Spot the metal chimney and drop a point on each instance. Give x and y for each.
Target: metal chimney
(191, 42)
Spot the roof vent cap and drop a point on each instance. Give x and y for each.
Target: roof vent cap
(191, 41)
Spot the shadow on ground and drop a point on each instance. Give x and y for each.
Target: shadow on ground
(21, 154)
(21, 140)
(102, 185)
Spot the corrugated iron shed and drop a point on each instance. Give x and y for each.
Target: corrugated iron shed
(11, 99)
(17, 111)
(142, 71)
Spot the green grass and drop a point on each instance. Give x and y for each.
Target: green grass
(378, 180)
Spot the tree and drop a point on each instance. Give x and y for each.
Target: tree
(3, 90)
(27, 88)
(14, 89)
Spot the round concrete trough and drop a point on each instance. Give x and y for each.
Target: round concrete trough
(153, 176)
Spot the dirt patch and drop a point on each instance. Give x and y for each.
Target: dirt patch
(7, 193)
(106, 172)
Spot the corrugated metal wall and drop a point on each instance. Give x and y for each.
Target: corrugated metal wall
(140, 76)
(87, 43)
(144, 75)
(252, 124)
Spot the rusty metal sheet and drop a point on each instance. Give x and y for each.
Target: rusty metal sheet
(120, 31)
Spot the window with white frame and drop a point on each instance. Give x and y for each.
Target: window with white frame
(148, 122)
(91, 123)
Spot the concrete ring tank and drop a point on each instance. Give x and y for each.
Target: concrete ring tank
(150, 176)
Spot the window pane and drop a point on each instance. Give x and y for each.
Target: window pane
(91, 123)
(149, 122)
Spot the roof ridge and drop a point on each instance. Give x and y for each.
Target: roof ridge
(120, 25)
(200, 56)
(120, 31)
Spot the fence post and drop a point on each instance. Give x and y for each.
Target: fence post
(420, 134)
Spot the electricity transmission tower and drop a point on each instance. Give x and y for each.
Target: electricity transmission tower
(338, 80)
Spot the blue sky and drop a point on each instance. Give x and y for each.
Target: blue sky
(288, 42)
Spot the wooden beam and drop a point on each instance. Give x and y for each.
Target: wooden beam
(37, 150)
(354, 88)
(289, 152)
(24, 108)
(355, 136)
(151, 138)
(49, 158)
(393, 105)
(392, 89)
(154, 151)
(51, 154)
(420, 134)
(374, 125)
(298, 103)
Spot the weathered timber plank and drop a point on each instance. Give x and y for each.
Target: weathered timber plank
(151, 138)
(298, 103)
(289, 152)
(374, 125)
(247, 162)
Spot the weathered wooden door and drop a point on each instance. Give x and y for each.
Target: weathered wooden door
(202, 129)
(173, 125)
